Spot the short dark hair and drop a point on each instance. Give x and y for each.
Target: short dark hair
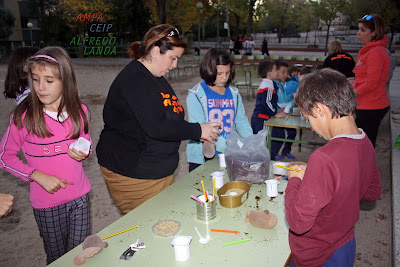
(293, 69)
(208, 67)
(264, 67)
(305, 70)
(328, 87)
(281, 63)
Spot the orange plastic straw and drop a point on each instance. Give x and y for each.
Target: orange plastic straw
(225, 231)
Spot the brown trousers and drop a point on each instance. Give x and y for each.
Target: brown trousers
(128, 193)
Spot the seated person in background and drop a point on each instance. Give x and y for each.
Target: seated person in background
(292, 82)
(339, 60)
(266, 99)
(328, 189)
(214, 100)
(303, 71)
(284, 103)
(6, 203)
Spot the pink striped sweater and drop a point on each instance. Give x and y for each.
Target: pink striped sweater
(48, 155)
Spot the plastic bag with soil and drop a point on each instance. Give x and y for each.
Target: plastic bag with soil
(248, 159)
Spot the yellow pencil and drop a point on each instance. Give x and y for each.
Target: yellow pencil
(204, 191)
(214, 190)
(284, 167)
(121, 232)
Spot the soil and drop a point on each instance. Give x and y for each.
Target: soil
(22, 246)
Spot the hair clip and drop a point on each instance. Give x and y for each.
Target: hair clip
(45, 56)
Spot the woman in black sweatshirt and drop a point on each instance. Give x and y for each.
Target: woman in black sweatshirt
(144, 122)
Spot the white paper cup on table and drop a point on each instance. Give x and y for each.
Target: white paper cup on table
(287, 109)
(222, 162)
(219, 179)
(181, 247)
(296, 111)
(207, 210)
(272, 187)
(278, 170)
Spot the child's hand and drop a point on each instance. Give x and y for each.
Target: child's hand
(77, 154)
(49, 183)
(280, 115)
(6, 203)
(300, 173)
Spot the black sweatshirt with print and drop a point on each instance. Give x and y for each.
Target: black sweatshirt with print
(143, 125)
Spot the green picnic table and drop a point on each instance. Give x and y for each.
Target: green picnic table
(267, 247)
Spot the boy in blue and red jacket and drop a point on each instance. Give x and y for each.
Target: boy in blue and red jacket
(266, 99)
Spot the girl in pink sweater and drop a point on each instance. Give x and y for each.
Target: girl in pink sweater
(44, 125)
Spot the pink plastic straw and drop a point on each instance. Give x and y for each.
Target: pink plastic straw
(195, 198)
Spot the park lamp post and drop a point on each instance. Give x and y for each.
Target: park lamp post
(199, 7)
(30, 25)
(217, 24)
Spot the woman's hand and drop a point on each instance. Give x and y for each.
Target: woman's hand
(49, 183)
(77, 154)
(210, 131)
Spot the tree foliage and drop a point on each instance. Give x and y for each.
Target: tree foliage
(7, 21)
(388, 9)
(328, 11)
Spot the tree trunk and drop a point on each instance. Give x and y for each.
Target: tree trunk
(250, 18)
(327, 37)
(160, 5)
(237, 20)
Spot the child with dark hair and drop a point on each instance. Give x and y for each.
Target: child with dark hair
(214, 100)
(285, 103)
(266, 99)
(338, 175)
(16, 84)
(304, 71)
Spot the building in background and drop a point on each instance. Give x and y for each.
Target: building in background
(21, 34)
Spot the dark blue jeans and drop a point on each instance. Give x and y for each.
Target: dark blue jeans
(343, 256)
(279, 132)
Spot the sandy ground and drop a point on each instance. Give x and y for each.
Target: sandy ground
(21, 244)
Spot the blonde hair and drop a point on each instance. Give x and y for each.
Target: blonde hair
(334, 47)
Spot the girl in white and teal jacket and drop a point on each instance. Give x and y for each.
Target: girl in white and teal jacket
(213, 100)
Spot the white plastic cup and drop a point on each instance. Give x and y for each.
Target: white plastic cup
(279, 171)
(181, 247)
(302, 117)
(287, 109)
(222, 162)
(272, 187)
(219, 179)
(296, 111)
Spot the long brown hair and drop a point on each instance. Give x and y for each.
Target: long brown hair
(59, 61)
(164, 36)
(16, 79)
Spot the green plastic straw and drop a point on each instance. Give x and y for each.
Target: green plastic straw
(237, 241)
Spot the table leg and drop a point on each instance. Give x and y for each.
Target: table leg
(300, 138)
(269, 138)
